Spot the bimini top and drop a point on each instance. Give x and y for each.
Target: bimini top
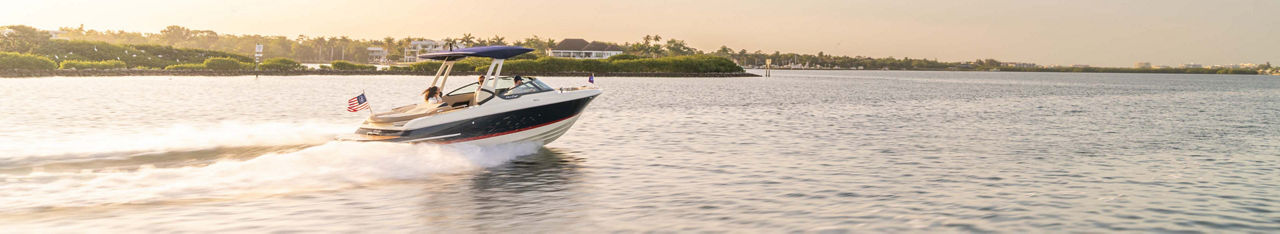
(497, 52)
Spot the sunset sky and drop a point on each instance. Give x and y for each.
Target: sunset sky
(1100, 33)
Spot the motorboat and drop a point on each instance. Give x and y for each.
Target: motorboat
(495, 110)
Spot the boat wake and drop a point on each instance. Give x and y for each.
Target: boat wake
(327, 166)
(121, 144)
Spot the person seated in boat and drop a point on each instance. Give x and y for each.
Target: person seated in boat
(520, 88)
(432, 95)
(479, 88)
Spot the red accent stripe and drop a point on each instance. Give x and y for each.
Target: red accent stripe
(507, 132)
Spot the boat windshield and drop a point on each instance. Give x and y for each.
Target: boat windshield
(542, 86)
(529, 85)
(465, 89)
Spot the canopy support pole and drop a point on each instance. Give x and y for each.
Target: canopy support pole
(499, 71)
(438, 72)
(448, 67)
(488, 76)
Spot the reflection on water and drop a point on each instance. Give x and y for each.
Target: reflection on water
(535, 193)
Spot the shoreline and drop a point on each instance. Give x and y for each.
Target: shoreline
(131, 72)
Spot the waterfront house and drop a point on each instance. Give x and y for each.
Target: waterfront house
(377, 55)
(419, 47)
(1018, 65)
(581, 49)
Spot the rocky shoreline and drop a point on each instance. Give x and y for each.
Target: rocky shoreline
(141, 72)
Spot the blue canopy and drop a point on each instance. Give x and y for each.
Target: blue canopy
(497, 52)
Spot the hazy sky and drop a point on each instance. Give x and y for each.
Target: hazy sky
(1107, 33)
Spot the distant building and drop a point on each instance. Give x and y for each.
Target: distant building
(581, 49)
(1241, 65)
(1142, 65)
(1191, 65)
(1017, 64)
(419, 47)
(377, 55)
(1162, 67)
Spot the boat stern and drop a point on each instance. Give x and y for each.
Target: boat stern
(370, 131)
(364, 137)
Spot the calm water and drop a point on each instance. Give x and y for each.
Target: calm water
(817, 151)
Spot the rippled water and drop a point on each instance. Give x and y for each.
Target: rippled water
(857, 151)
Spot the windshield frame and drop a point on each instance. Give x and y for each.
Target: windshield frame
(538, 87)
(470, 88)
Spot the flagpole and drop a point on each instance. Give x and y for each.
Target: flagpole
(366, 100)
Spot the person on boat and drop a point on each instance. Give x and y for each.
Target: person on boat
(479, 87)
(432, 95)
(519, 88)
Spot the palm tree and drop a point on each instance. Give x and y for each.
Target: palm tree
(449, 43)
(468, 40)
(497, 40)
(388, 42)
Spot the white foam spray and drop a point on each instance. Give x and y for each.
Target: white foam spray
(333, 165)
(111, 143)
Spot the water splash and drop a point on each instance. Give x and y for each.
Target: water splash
(334, 165)
(187, 137)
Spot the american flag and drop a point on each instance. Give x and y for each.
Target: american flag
(357, 103)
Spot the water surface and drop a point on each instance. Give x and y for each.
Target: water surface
(858, 151)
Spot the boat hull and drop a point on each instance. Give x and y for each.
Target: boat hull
(542, 124)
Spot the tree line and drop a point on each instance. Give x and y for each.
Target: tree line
(325, 49)
(79, 54)
(328, 49)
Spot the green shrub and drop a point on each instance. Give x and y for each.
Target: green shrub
(226, 64)
(470, 63)
(188, 66)
(101, 65)
(343, 65)
(131, 55)
(281, 64)
(433, 66)
(525, 56)
(10, 60)
(624, 57)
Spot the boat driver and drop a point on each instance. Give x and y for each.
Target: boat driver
(520, 88)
